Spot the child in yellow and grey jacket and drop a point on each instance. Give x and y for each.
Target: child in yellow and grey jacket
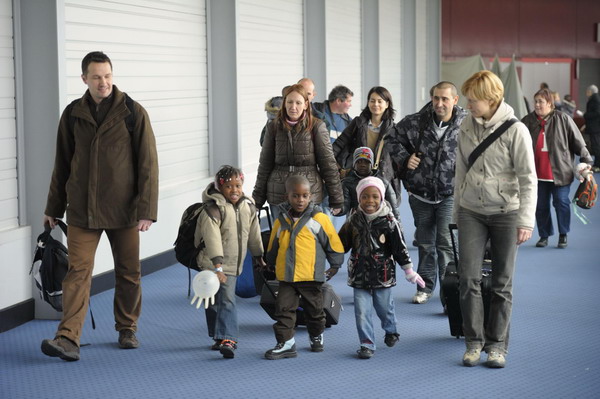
(302, 240)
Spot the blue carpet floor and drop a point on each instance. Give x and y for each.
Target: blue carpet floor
(554, 352)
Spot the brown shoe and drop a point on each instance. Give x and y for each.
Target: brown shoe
(61, 347)
(127, 339)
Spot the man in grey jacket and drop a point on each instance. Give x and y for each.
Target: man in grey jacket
(425, 149)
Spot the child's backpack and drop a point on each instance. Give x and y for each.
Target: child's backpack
(587, 192)
(50, 265)
(185, 250)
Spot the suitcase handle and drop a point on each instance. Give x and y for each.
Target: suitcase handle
(452, 227)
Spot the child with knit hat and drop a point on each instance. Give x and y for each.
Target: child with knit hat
(362, 166)
(375, 237)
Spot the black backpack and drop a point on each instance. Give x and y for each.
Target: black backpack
(185, 250)
(50, 265)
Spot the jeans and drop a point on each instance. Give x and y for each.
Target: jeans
(82, 244)
(221, 318)
(473, 231)
(433, 238)
(561, 204)
(380, 299)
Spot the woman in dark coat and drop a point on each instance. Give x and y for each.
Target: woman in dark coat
(370, 129)
(296, 143)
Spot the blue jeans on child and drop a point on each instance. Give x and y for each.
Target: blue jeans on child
(561, 204)
(221, 318)
(380, 299)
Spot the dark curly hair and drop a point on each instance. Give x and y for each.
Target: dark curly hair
(227, 172)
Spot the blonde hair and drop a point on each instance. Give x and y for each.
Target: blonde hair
(484, 85)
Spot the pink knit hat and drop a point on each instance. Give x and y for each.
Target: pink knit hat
(371, 181)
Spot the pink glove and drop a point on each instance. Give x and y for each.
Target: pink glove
(413, 277)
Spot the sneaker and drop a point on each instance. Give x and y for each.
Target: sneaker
(391, 339)
(282, 350)
(496, 360)
(61, 347)
(228, 348)
(216, 345)
(562, 241)
(471, 357)
(365, 353)
(421, 297)
(316, 343)
(543, 242)
(127, 339)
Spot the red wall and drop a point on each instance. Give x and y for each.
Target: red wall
(525, 28)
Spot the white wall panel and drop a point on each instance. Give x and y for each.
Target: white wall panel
(158, 49)
(422, 86)
(270, 56)
(344, 50)
(9, 210)
(390, 44)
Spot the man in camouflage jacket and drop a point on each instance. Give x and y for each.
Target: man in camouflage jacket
(424, 154)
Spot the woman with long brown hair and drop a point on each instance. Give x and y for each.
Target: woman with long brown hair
(296, 143)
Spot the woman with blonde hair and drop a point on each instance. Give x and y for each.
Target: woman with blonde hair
(495, 197)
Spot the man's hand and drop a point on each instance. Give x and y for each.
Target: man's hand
(413, 162)
(144, 225)
(50, 220)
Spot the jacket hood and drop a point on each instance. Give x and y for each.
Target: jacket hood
(212, 194)
(503, 113)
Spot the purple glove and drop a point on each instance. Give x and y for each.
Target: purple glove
(413, 277)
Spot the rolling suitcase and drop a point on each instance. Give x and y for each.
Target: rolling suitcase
(332, 304)
(450, 289)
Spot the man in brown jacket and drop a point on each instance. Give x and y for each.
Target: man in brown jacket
(106, 178)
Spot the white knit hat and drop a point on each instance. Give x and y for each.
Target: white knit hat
(371, 181)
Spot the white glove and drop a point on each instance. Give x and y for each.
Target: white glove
(580, 170)
(206, 285)
(413, 277)
(211, 299)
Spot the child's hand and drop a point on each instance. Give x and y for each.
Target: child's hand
(260, 262)
(329, 273)
(413, 277)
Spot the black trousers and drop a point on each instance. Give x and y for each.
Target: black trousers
(287, 303)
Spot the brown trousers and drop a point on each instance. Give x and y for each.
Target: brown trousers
(82, 245)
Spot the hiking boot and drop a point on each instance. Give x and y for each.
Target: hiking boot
(61, 347)
(562, 241)
(391, 339)
(543, 242)
(216, 345)
(421, 297)
(316, 343)
(127, 339)
(471, 357)
(496, 360)
(228, 348)
(365, 353)
(282, 350)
